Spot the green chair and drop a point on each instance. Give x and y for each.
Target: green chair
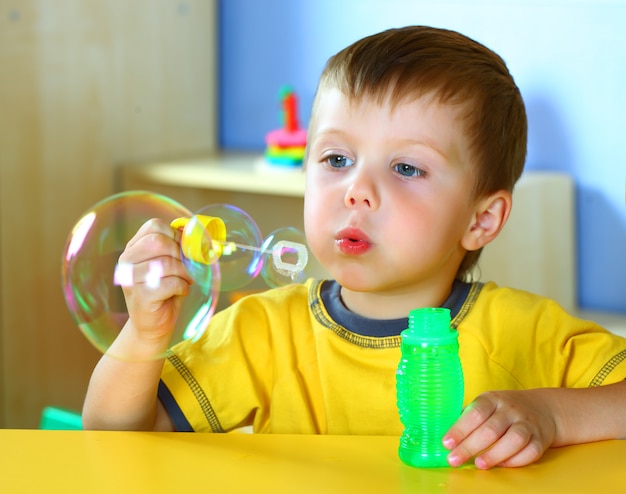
(59, 419)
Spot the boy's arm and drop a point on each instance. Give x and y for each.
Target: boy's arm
(514, 428)
(122, 393)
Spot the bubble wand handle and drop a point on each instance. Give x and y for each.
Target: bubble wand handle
(193, 245)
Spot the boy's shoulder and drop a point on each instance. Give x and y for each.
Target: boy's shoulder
(514, 298)
(503, 309)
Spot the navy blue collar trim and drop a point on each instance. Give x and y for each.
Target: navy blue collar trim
(330, 293)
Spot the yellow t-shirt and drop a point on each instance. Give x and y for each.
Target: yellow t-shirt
(279, 361)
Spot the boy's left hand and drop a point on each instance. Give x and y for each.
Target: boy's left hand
(502, 428)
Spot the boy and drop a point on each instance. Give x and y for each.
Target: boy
(416, 139)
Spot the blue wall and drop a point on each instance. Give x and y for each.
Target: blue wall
(567, 56)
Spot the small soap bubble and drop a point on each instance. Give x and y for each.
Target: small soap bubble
(92, 278)
(285, 257)
(239, 252)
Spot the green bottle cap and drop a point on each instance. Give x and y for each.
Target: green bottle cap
(430, 325)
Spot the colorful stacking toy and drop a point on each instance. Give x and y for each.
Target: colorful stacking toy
(286, 146)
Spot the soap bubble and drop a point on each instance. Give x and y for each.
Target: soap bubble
(92, 277)
(239, 252)
(221, 248)
(285, 257)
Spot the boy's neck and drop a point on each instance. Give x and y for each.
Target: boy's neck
(393, 305)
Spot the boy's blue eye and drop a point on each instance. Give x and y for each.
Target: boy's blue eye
(338, 161)
(409, 170)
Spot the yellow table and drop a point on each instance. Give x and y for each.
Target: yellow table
(137, 462)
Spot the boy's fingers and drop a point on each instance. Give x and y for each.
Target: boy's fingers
(474, 415)
(479, 440)
(154, 226)
(518, 447)
(150, 273)
(512, 446)
(151, 245)
(476, 430)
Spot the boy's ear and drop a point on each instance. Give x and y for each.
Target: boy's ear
(489, 218)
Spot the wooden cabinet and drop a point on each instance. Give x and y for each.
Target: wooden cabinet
(84, 85)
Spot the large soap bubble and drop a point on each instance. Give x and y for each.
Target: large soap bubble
(221, 248)
(92, 278)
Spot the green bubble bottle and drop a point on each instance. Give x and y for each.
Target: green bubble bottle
(429, 384)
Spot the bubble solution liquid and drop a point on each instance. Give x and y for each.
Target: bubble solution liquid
(429, 384)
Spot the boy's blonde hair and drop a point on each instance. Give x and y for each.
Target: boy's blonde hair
(413, 61)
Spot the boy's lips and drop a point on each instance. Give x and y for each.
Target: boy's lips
(353, 241)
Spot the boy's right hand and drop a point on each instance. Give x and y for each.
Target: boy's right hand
(160, 280)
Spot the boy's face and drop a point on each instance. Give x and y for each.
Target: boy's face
(388, 194)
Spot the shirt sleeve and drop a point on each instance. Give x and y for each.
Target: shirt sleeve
(181, 424)
(531, 342)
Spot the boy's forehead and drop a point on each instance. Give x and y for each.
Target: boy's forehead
(332, 99)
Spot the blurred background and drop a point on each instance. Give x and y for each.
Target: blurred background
(88, 85)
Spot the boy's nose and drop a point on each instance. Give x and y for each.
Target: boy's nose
(362, 193)
(353, 201)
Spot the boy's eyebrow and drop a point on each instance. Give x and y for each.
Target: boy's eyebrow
(330, 132)
(425, 142)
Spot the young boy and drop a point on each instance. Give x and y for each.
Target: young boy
(416, 140)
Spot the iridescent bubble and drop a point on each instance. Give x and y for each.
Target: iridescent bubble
(92, 278)
(285, 257)
(239, 252)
